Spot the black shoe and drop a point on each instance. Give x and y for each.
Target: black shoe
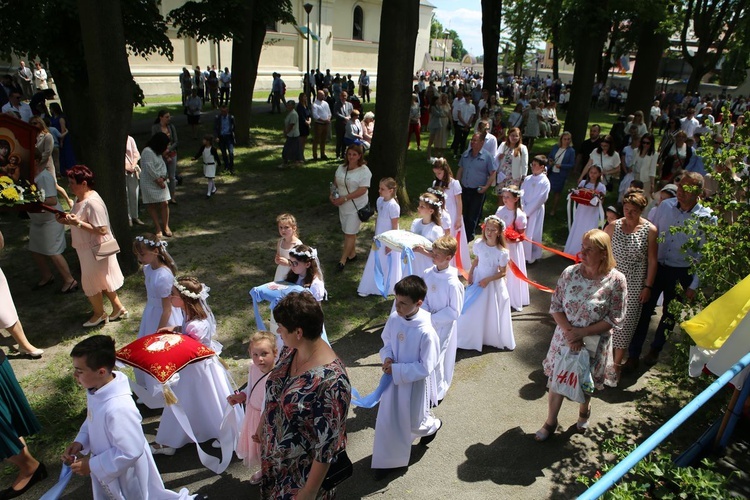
(178, 178)
(351, 259)
(651, 358)
(630, 365)
(40, 474)
(340, 267)
(428, 439)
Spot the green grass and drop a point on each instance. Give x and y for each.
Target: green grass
(229, 243)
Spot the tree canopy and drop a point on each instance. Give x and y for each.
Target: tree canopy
(437, 31)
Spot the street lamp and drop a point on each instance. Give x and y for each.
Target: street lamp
(308, 8)
(445, 48)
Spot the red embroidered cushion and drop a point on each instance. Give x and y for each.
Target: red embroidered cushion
(163, 354)
(584, 197)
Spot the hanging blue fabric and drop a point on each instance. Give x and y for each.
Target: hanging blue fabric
(272, 292)
(57, 490)
(471, 294)
(408, 258)
(379, 278)
(373, 398)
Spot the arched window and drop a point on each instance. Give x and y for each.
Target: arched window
(357, 26)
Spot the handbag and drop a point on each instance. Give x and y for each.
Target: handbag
(341, 469)
(364, 213)
(104, 250)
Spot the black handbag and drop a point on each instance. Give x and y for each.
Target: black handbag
(341, 469)
(364, 213)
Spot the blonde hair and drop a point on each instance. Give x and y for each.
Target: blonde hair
(288, 218)
(389, 182)
(149, 241)
(602, 241)
(193, 306)
(262, 335)
(501, 243)
(446, 244)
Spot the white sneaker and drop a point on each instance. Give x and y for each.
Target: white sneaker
(162, 450)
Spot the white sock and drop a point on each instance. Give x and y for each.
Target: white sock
(210, 186)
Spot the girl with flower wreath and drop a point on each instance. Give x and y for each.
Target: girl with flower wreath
(515, 222)
(203, 386)
(429, 225)
(485, 318)
(159, 269)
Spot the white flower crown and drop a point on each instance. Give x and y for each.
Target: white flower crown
(431, 202)
(498, 220)
(516, 192)
(437, 192)
(434, 160)
(308, 254)
(151, 243)
(203, 294)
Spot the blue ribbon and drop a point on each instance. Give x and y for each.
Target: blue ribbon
(273, 296)
(373, 398)
(379, 278)
(471, 294)
(408, 258)
(57, 490)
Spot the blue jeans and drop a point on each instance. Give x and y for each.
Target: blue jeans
(226, 145)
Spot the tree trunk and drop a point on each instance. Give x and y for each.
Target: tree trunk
(651, 45)
(245, 56)
(104, 131)
(491, 15)
(398, 40)
(555, 38)
(699, 70)
(587, 52)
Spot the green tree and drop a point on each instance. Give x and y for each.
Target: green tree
(244, 22)
(524, 29)
(84, 45)
(398, 41)
(437, 31)
(714, 24)
(491, 15)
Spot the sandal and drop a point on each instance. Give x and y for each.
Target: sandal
(70, 288)
(545, 432)
(583, 420)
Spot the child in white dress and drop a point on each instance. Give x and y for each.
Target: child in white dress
(485, 319)
(289, 238)
(388, 214)
(203, 385)
(428, 225)
(536, 188)
(586, 217)
(210, 157)
(263, 352)
(454, 206)
(305, 271)
(159, 269)
(515, 218)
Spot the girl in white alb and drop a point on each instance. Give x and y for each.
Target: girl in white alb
(289, 239)
(586, 217)
(390, 263)
(159, 270)
(203, 385)
(454, 206)
(263, 352)
(428, 225)
(485, 319)
(513, 217)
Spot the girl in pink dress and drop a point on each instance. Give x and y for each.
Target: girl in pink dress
(263, 351)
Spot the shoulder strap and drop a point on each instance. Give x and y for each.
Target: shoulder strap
(259, 380)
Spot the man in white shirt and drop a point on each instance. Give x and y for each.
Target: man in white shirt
(465, 118)
(21, 109)
(689, 123)
(24, 79)
(490, 141)
(225, 83)
(321, 114)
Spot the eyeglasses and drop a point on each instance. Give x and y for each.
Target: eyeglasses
(293, 263)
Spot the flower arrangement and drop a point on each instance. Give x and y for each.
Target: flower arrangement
(17, 193)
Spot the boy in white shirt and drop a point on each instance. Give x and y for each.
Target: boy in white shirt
(117, 455)
(444, 301)
(410, 355)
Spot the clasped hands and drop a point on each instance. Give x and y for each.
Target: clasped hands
(79, 466)
(388, 366)
(573, 336)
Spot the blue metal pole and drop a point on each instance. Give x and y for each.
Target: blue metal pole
(610, 478)
(736, 412)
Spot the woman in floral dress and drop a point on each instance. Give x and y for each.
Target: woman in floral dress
(303, 427)
(588, 302)
(634, 247)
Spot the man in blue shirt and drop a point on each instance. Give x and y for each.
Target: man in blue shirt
(476, 172)
(674, 263)
(224, 133)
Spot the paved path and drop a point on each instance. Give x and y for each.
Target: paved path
(486, 448)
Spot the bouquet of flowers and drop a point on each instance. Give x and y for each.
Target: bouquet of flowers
(512, 235)
(18, 193)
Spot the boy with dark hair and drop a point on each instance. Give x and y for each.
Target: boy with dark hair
(117, 456)
(410, 355)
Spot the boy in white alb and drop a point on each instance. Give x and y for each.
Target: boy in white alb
(444, 301)
(117, 454)
(410, 355)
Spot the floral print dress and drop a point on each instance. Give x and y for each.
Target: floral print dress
(304, 420)
(585, 302)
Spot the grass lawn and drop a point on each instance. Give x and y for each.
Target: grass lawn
(228, 242)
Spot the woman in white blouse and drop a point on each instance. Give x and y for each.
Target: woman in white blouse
(606, 157)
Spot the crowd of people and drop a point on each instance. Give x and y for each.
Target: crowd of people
(292, 433)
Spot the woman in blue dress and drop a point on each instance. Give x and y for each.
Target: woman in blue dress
(60, 122)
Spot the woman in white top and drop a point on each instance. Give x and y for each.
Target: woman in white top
(644, 164)
(606, 157)
(512, 160)
(638, 122)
